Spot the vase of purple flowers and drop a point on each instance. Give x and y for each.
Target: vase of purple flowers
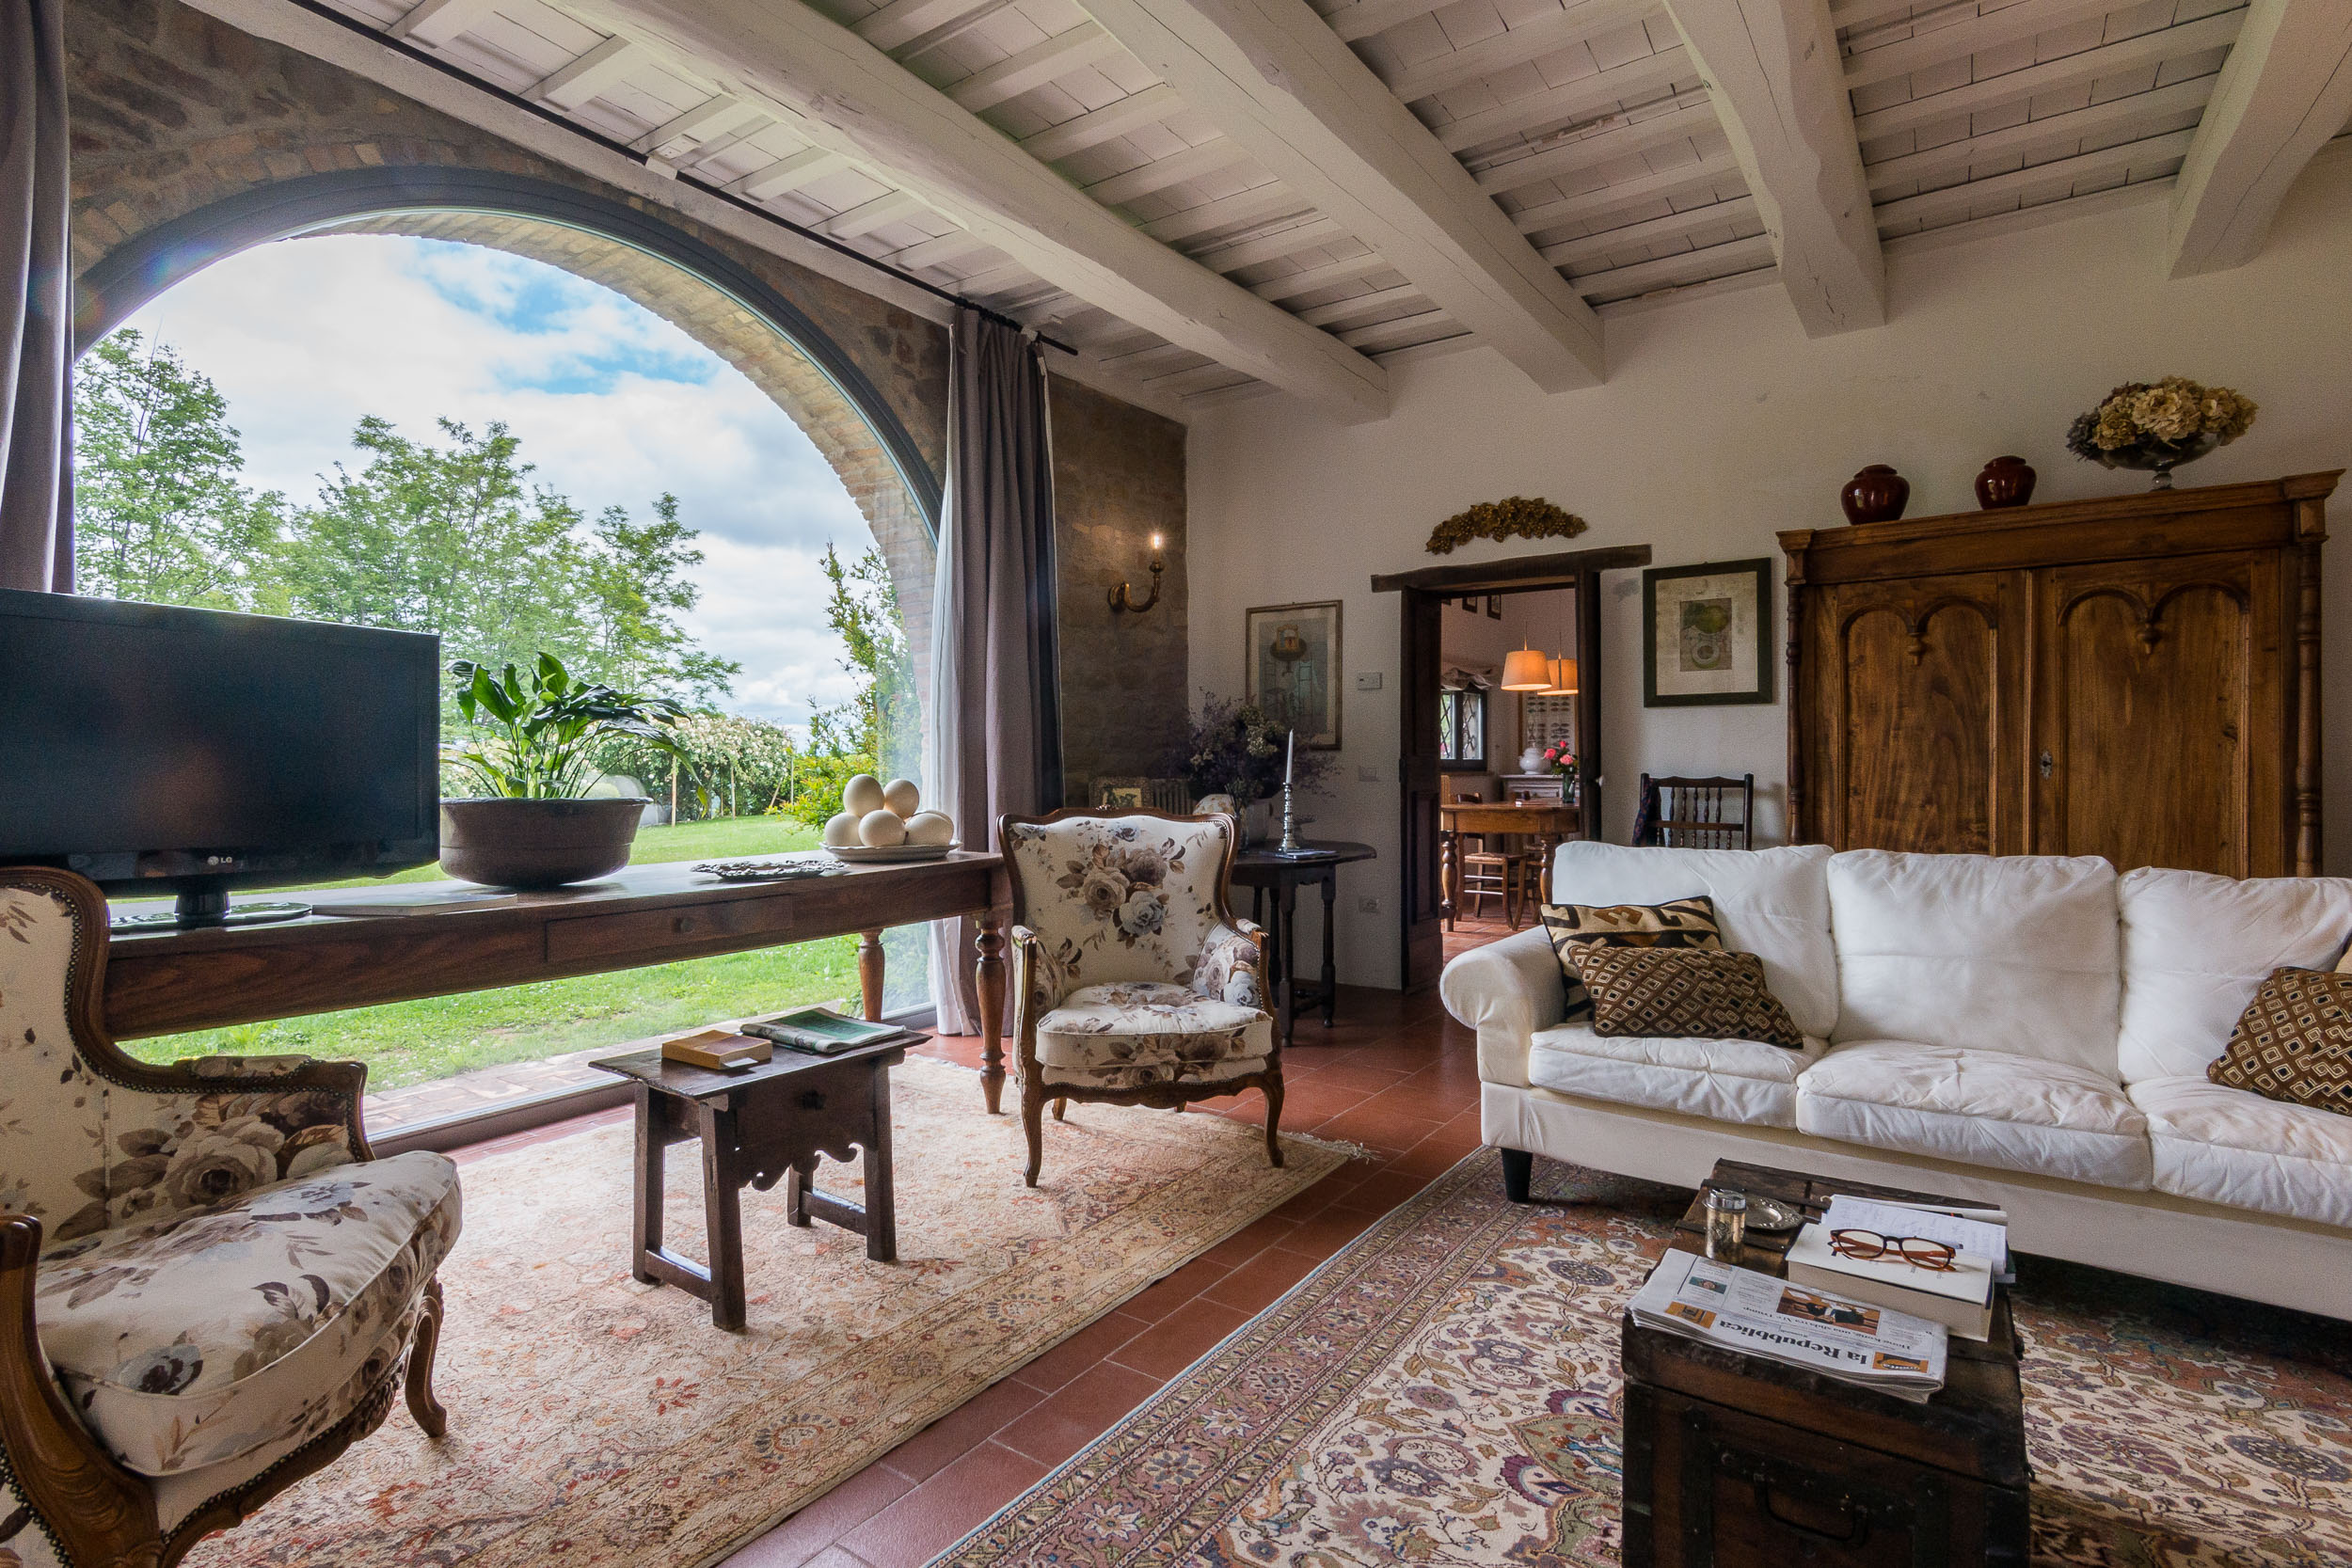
(1234, 748)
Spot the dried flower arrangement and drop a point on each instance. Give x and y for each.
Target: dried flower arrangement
(1528, 517)
(1234, 748)
(2159, 425)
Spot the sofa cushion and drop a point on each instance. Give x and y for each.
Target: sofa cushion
(1978, 1107)
(2016, 954)
(1686, 991)
(2227, 1146)
(1773, 903)
(1133, 1075)
(1137, 1022)
(2196, 946)
(189, 1341)
(1677, 922)
(1748, 1082)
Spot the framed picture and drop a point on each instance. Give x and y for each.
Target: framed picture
(1470, 604)
(1294, 664)
(1119, 794)
(1707, 634)
(1494, 607)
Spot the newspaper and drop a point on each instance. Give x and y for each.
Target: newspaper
(1982, 1238)
(1873, 1347)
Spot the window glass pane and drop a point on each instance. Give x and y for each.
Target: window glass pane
(1447, 702)
(1473, 744)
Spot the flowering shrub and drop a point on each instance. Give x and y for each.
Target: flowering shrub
(2142, 423)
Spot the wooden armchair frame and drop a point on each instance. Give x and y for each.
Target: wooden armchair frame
(1174, 1095)
(96, 1513)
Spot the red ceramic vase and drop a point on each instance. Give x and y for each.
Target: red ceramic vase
(1876, 495)
(2005, 481)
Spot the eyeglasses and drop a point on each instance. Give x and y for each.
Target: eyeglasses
(1917, 1251)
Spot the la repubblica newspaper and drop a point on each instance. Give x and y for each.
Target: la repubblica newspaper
(1741, 1310)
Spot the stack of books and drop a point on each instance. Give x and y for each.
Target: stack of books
(823, 1032)
(1940, 1264)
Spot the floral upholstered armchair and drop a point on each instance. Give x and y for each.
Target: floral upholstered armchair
(208, 1287)
(1133, 983)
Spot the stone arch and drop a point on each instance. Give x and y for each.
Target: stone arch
(702, 292)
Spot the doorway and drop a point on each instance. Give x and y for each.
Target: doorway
(1431, 722)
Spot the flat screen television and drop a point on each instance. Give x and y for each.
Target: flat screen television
(163, 751)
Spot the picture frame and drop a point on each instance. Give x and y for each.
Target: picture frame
(1470, 604)
(1494, 607)
(1293, 659)
(1120, 794)
(1707, 634)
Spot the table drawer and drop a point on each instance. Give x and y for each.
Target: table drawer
(649, 932)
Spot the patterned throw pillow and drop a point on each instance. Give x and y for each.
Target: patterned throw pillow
(2294, 1041)
(1681, 923)
(1684, 993)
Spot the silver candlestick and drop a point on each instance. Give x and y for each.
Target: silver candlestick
(1290, 845)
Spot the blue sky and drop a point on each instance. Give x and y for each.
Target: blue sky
(613, 404)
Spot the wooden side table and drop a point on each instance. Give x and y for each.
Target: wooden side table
(1736, 1460)
(1263, 873)
(758, 1126)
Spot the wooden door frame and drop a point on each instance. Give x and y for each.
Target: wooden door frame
(1418, 656)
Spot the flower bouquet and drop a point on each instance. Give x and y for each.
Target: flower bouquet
(2157, 426)
(1236, 748)
(1559, 757)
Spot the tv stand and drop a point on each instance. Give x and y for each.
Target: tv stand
(210, 907)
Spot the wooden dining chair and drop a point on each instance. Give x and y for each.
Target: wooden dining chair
(1484, 871)
(1700, 813)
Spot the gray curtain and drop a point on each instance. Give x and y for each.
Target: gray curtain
(35, 302)
(994, 726)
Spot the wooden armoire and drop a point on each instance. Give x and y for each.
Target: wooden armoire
(2137, 678)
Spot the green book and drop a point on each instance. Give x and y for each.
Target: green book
(824, 1032)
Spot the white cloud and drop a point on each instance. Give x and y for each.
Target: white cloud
(613, 404)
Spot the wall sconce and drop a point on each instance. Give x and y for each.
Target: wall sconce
(1122, 596)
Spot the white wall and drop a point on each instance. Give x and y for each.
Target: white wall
(1722, 424)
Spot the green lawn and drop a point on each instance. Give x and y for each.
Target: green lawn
(413, 1042)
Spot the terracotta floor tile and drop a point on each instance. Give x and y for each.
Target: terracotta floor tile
(838, 1557)
(1170, 1345)
(1083, 1409)
(962, 1429)
(801, 1538)
(1315, 1200)
(1384, 1190)
(1386, 1131)
(932, 1517)
(1331, 1230)
(1253, 1287)
(1082, 1350)
(1249, 1240)
(1177, 1288)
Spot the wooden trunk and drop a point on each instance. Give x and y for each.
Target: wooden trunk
(2136, 678)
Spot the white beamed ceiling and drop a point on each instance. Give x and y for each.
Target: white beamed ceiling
(1590, 124)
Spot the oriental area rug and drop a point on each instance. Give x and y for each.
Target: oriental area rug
(1446, 1392)
(597, 1422)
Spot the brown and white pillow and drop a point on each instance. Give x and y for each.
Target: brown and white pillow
(2294, 1041)
(1684, 993)
(1679, 923)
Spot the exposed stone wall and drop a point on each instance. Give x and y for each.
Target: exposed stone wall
(173, 111)
(1119, 477)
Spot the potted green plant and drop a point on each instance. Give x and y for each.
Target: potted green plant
(529, 827)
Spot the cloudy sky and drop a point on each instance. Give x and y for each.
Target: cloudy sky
(612, 404)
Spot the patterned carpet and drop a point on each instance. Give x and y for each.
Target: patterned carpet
(1446, 1392)
(597, 1421)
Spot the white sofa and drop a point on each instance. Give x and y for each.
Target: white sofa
(2030, 1030)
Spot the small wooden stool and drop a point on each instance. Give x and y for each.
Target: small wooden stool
(758, 1126)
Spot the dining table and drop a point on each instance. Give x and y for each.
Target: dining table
(1547, 822)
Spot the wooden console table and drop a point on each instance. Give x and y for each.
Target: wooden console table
(1265, 873)
(159, 983)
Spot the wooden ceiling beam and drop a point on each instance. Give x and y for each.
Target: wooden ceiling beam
(1936, 207)
(576, 82)
(1772, 67)
(1940, 45)
(1621, 140)
(842, 93)
(1547, 33)
(1274, 78)
(1035, 66)
(1573, 253)
(2143, 113)
(1220, 153)
(433, 23)
(1097, 126)
(1585, 206)
(2284, 91)
(1638, 83)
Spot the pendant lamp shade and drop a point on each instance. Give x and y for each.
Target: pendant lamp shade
(1562, 682)
(1527, 670)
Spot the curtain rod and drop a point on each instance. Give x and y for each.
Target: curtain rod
(408, 51)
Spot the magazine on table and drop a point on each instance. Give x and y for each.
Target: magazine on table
(823, 1032)
(1856, 1342)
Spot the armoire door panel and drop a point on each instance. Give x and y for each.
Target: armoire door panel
(2149, 688)
(1921, 714)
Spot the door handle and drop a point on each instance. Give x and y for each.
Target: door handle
(2047, 763)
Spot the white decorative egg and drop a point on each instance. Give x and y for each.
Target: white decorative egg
(841, 830)
(883, 829)
(901, 795)
(931, 828)
(862, 796)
